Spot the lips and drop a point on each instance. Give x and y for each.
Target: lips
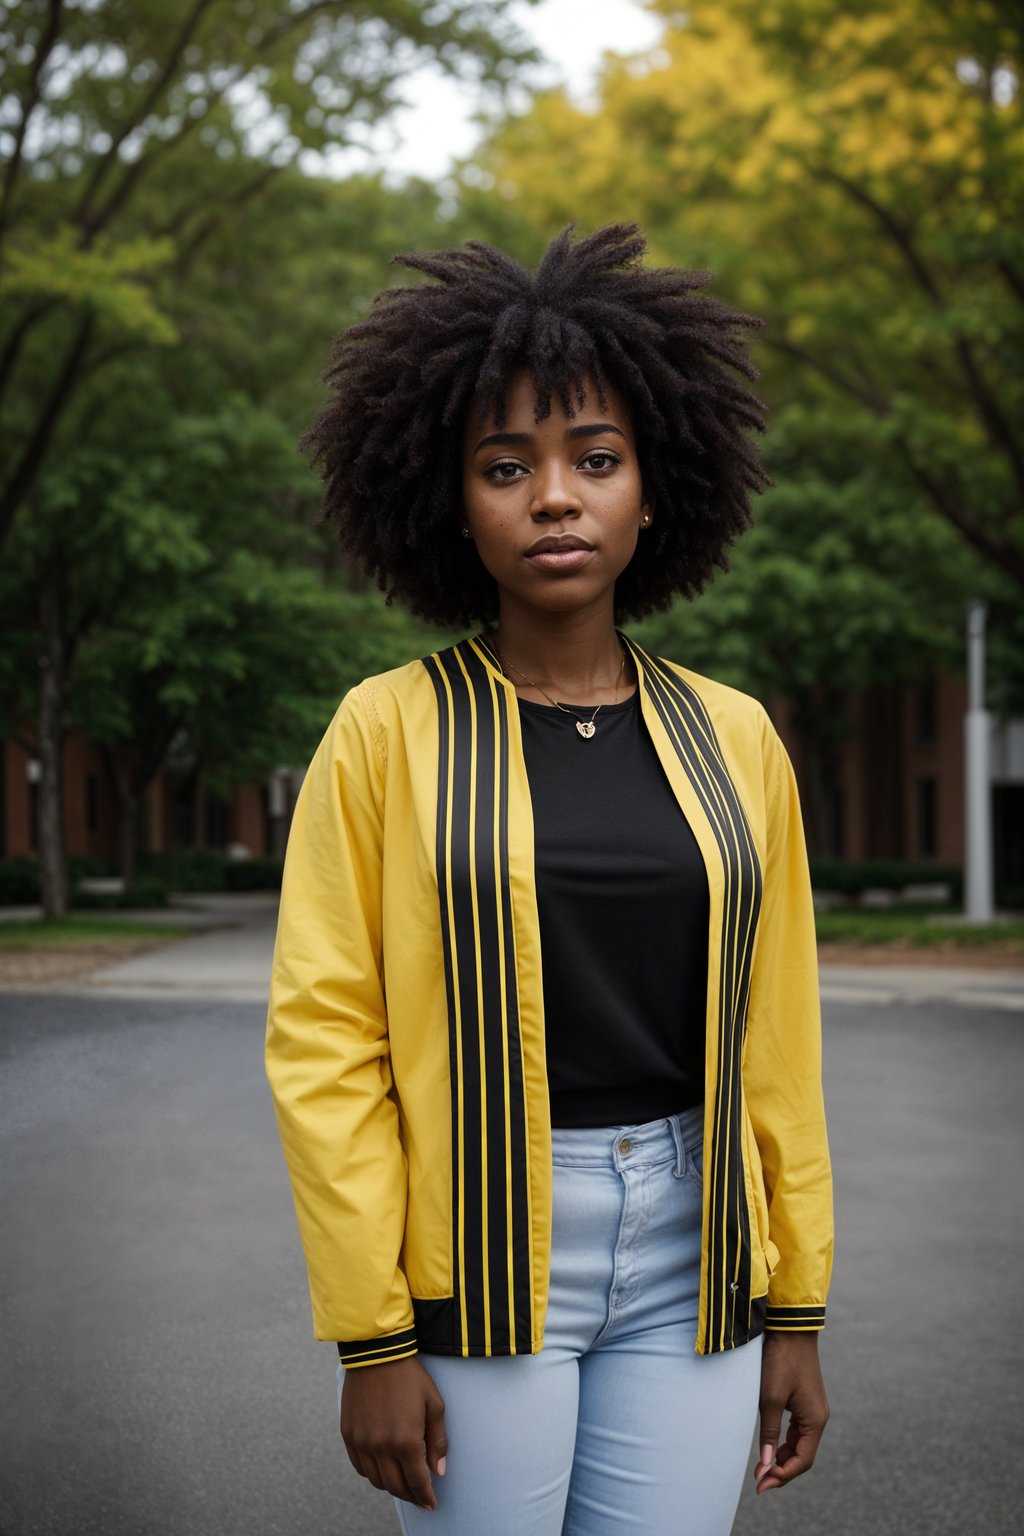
(557, 544)
(559, 554)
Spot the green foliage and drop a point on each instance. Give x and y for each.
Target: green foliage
(850, 878)
(901, 930)
(19, 883)
(253, 874)
(137, 896)
(852, 175)
(82, 929)
(207, 869)
(185, 869)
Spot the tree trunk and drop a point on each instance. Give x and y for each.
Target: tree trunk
(127, 829)
(121, 771)
(817, 810)
(52, 865)
(820, 718)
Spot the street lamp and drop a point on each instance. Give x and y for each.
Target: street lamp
(978, 903)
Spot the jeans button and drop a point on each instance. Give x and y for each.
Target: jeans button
(625, 1146)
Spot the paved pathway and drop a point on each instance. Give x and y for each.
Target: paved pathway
(229, 957)
(159, 1378)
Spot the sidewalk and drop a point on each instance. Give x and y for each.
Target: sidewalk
(966, 987)
(230, 959)
(229, 956)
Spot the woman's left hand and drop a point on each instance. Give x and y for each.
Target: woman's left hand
(790, 1380)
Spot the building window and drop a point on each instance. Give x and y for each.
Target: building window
(92, 803)
(838, 849)
(185, 815)
(216, 823)
(927, 831)
(924, 712)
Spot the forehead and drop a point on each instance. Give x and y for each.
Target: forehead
(520, 412)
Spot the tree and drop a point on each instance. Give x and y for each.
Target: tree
(187, 623)
(144, 142)
(854, 176)
(137, 130)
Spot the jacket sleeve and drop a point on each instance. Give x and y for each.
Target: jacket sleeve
(327, 1052)
(782, 1066)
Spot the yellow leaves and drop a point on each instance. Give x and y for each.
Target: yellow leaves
(727, 125)
(111, 277)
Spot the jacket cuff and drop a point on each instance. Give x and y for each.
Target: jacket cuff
(390, 1346)
(795, 1319)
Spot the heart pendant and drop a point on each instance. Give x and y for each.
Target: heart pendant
(586, 728)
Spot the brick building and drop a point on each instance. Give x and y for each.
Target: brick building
(253, 820)
(897, 793)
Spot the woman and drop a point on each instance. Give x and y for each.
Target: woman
(544, 1036)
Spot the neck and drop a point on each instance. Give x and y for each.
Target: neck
(575, 655)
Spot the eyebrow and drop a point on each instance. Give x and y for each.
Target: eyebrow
(518, 439)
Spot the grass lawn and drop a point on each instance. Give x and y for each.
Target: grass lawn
(82, 929)
(918, 930)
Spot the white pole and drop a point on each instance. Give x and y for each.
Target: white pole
(978, 904)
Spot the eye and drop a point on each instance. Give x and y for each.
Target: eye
(504, 471)
(601, 460)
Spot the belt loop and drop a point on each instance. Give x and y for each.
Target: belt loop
(677, 1137)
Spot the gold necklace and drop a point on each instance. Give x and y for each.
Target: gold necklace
(586, 728)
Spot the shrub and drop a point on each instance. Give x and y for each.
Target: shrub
(186, 869)
(254, 874)
(19, 882)
(146, 892)
(85, 866)
(851, 879)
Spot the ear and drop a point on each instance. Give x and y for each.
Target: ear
(646, 514)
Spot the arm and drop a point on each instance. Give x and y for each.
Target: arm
(327, 1052)
(782, 1077)
(328, 1065)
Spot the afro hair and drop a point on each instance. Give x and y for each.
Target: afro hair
(388, 440)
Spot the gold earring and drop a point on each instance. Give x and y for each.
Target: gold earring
(645, 521)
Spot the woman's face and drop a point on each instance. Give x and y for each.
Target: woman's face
(554, 507)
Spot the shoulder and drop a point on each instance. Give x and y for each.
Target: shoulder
(727, 707)
(387, 706)
(730, 723)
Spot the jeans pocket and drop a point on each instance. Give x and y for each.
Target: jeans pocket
(691, 1164)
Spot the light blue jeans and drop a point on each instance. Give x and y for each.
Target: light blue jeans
(617, 1428)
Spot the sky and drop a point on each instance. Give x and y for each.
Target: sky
(437, 126)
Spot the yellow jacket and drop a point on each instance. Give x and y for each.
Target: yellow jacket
(405, 1039)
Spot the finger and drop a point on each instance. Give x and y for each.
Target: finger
(436, 1437)
(791, 1461)
(409, 1479)
(416, 1475)
(765, 1462)
(771, 1433)
(372, 1472)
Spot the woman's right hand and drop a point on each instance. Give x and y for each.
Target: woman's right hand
(392, 1423)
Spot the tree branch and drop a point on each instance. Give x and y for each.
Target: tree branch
(995, 423)
(16, 338)
(146, 106)
(28, 106)
(999, 551)
(210, 225)
(28, 466)
(1014, 280)
(867, 396)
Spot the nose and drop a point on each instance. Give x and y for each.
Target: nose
(554, 492)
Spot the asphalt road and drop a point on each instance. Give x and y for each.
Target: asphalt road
(157, 1375)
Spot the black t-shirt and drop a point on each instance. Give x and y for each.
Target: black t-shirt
(623, 898)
